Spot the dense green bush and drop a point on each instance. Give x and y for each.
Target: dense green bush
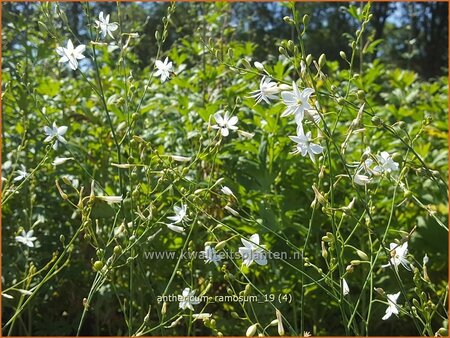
(107, 164)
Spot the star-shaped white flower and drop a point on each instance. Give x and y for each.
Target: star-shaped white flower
(55, 133)
(305, 146)
(105, 26)
(398, 255)
(210, 255)
(385, 163)
(187, 299)
(163, 69)
(26, 238)
(296, 102)
(225, 123)
(71, 54)
(252, 251)
(21, 174)
(180, 214)
(392, 308)
(267, 91)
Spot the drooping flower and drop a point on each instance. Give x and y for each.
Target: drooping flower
(26, 238)
(345, 288)
(188, 299)
(252, 251)
(201, 316)
(163, 69)
(385, 163)
(55, 133)
(110, 199)
(71, 54)
(105, 26)
(398, 255)
(267, 91)
(225, 123)
(392, 308)
(305, 146)
(210, 255)
(361, 179)
(21, 174)
(296, 102)
(227, 191)
(180, 214)
(175, 228)
(61, 160)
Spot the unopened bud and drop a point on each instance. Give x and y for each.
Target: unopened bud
(322, 60)
(309, 59)
(251, 331)
(362, 255)
(305, 19)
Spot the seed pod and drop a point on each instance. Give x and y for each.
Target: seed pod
(97, 266)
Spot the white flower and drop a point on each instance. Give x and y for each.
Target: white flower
(175, 228)
(55, 132)
(227, 191)
(385, 163)
(201, 316)
(361, 179)
(26, 238)
(164, 69)
(21, 174)
(398, 255)
(180, 214)
(188, 299)
(231, 210)
(210, 255)
(224, 123)
(61, 160)
(304, 145)
(345, 288)
(267, 91)
(71, 54)
(111, 199)
(105, 26)
(180, 158)
(296, 102)
(392, 308)
(252, 251)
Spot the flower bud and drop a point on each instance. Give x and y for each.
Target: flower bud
(305, 19)
(309, 59)
(258, 65)
(251, 330)
(288, 19)
(362, 255)
(322, 60)
(343, 55)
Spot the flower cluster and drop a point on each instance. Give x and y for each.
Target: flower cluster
(297, 104)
